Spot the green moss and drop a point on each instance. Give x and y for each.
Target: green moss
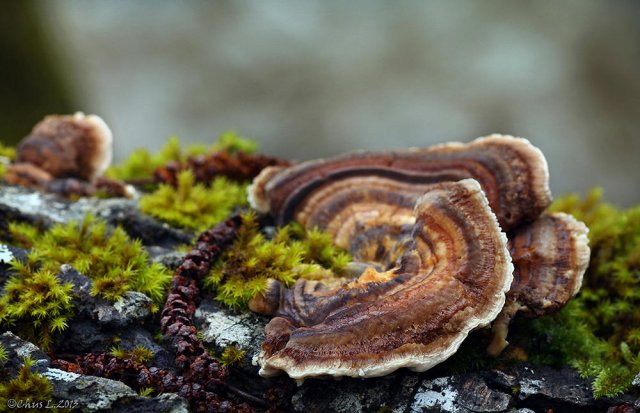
(28, 387)
(598, 332)
(7, 152)
(243, 270)
(141, 164)
(4, 356)
(139, 354)
(35, 303)
(231, 142)
(232, 356)
(194, 206)
(114, 262)
(146, 392)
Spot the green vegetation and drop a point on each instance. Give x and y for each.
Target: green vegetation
(114, 262)
(231, 142)
(141, 163)
(243, 270)
(139, 354)
(232, 356)
(146, 392)
(4, 356)
(35, 303)
(194, 206)
(7, 154)
(26, 386)
(598, 332)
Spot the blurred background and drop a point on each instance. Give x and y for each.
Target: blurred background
(313, 78)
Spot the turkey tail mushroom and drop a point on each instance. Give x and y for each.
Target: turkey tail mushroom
(550, 256)
(381, 206)
(512, 173)
(453, 276)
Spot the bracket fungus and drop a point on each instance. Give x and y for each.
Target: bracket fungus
(67, 155)
(426, 224)
(77, 146)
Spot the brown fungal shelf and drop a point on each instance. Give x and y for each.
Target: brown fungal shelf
(451, 280)
(512, 173)
(418, 296)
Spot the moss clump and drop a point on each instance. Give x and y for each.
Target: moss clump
(243, 270)
(141, 164)
(139, 354)
(114, 262)
(28, 387)
(7, 152)
(232, 356)
(35, 303)
(194, 206)
(231, 142)
(598, 332)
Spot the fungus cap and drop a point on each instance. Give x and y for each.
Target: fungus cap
(550, 256)
(453, 272)
(75, 145)
(512, 173)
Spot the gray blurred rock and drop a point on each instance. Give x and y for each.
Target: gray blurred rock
(166, 256)
(345, 396)
(221, 327)
(91, 393)
(636, 380)
(17, 349)
(164, 403)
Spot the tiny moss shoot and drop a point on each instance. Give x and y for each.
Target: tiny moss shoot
(232, 356)
(146, 392)
(4, 356)
(194, 206)
(139, 354)
(242, 272)
(598, 332)
(28, 387)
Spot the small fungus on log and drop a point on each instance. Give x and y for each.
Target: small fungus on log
(67, 155)
(69, 146)
(386, 319)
